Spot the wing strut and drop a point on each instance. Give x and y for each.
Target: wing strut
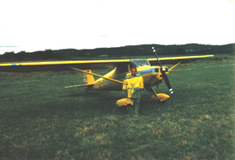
(175, 66)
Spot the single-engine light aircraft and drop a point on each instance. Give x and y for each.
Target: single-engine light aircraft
(152, 71)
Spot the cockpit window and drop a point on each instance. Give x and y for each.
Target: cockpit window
(140, 62)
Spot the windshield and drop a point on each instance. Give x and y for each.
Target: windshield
(140, 62)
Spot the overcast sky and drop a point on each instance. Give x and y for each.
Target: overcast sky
(54, 24)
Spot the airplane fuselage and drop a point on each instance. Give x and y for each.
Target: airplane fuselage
(151, 75)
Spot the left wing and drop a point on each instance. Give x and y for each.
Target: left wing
(122, 64)
(174, 60)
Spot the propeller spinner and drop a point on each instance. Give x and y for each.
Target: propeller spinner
(163, 70)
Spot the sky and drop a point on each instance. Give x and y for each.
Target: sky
(28, 25)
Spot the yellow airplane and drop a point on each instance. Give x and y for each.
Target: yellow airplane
(151, 70)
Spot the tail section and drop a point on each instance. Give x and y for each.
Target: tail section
(88, 78)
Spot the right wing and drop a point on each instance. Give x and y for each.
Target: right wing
(62, 65)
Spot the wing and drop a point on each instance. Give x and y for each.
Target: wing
(174, 60)
(62, 65)
(122, 64)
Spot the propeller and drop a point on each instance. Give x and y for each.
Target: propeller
(163, 70)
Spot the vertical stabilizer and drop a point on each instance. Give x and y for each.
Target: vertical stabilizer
(88, 78)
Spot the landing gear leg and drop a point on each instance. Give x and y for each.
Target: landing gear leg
(130, 110)
(136, 107)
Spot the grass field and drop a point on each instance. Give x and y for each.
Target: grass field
(40, 119)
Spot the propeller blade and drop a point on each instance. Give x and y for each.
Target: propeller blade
(167, 82)
(164, 74)
(156, 56)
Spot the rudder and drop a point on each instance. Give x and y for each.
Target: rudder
(88, 78)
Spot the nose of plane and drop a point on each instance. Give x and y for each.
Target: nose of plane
(159, 71)
(165, 69)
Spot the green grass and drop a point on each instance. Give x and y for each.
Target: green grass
(39, 119)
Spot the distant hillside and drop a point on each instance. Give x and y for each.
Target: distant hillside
(147, 50)
(137, 50)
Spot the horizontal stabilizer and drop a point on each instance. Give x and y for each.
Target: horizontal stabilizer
(82, 85)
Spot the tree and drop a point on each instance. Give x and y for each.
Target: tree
(9, 55)
(180, 51)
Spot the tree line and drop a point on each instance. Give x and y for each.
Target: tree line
(136, 50)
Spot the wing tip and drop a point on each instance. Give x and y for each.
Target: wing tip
(210, 55)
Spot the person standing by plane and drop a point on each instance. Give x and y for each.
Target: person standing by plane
(134, 84)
